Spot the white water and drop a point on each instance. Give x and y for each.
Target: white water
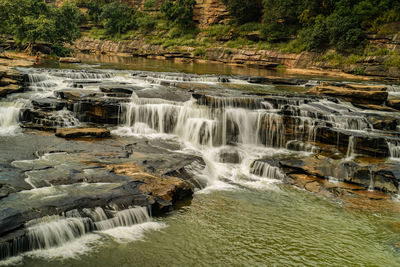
(9, 117)
(51, 235)
(394, 149)
(350, 149)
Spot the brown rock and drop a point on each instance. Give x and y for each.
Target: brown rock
(351, 95)
(167, 188)
(314, 187)
(394, 104)
(69, 60)
(10, 89)
(82, 132)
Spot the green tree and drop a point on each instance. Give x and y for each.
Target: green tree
(245, 10)
(179, 12)
(68, 19)
(34, 20)
(118, 18)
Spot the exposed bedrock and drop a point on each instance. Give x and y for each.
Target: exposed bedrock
(360, 94)
(381, 176)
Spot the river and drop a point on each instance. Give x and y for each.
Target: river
(243, 213)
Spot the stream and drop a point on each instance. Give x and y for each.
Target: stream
(234, 136)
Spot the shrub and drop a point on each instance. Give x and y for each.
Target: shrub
(200, 52)
(146, 23)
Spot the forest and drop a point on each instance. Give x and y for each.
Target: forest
(295, 26)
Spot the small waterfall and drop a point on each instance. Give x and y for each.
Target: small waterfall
(158, 77)
(350, 148)
(9, 117)
(57, 230)
(371, 186)
(263, 169)
(124, 218)
(296, 145)
(394, 149)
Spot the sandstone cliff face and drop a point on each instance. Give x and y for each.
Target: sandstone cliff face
(138, 47)
(208, 12)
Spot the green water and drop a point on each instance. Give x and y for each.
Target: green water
(278, 227)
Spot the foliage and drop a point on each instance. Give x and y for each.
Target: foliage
(200, 52)
(146, 23)
(61, 50)
(179, 12)
(117, 18)
(33, 20)
(149, 4)
(244, 10)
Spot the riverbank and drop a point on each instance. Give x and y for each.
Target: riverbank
(306, 63)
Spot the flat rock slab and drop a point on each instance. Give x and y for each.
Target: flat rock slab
(82, 132)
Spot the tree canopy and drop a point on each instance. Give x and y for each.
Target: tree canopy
(34, 20)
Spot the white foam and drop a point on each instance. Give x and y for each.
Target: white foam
(73, 249)
(133, 233)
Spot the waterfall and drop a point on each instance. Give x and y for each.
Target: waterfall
(57, 230)
(394, 149)
(263, 169)
(350, 148)
(9, 117)
(203, 125)
(371, 186)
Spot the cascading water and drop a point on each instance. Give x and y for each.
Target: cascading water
(54, 231)
(394, 149)
(9, 117)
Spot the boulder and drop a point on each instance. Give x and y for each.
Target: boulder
(69, 60)
(82, 132)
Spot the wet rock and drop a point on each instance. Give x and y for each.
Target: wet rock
(75, 95)
(375, 107)
(352, 94)
(82, 132)
(97, 110)
(364, 144)
(222, 102)
(394, 104)
(124, 89)
(276, 80)
(166, 93)
(229, 155)
(314, 187)
(10, 89)
(69, 60)
(383, 122)
(49, 104)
